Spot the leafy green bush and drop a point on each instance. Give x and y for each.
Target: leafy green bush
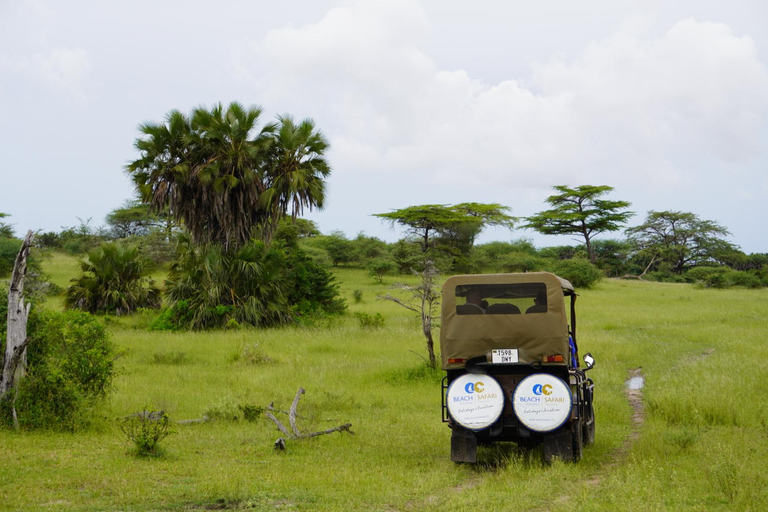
(115, 279)
(722, 277)
(380, 267)
(9, 248)
(209, 287)
(580, 272)
(70, 366)
(522, 262)
(146, 429)
(358, 296)
(369, 321)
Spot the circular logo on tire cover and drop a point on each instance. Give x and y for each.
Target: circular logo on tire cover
(542, 402)
(475, 401)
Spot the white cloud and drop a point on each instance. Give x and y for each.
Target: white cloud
(64, 69)
(628, 109)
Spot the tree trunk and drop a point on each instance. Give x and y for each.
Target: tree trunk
(14, 360)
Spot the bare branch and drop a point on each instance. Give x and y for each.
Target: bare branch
(280, 425)
(399, 301)
(341, 428)
(292, 414)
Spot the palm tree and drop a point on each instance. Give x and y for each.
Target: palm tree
(224, 177)
(295, 173)
(205, 167)
(115, 279)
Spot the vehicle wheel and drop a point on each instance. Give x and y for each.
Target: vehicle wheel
(577, 437)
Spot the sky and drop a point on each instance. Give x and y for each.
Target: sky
(423, 102)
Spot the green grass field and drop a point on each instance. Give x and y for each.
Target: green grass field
(703, 443)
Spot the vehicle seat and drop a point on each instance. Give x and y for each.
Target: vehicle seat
(503, 309)
(469, 309)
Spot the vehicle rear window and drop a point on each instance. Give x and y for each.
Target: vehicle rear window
(501, 299)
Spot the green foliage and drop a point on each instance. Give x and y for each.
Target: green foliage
(558, 252)
(522, 262)
(722, 277)
(312, 289)
(6, 230)
(70, 366)
(9, 248)
(175, 316)
(368, 248)
(224, 178)
(406, 256)
(680, 239)
(580, 211)
(449, 228)
(380, 267)
(369, 321)
(134, 218)
(339, 249)
(252, 285)
(115, 279)
(358, 296)
(145, 430)
(580, 272)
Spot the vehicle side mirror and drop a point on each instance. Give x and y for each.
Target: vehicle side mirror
(589, 360)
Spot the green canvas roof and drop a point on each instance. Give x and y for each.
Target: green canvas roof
(536, 335)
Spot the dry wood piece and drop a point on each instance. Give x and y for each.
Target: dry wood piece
(15, 357)
(294, 433)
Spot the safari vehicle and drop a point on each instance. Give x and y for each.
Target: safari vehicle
(512, 369)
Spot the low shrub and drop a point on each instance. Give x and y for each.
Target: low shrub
(70, 362)
(146, 429)
(580, 272)
(369, 321)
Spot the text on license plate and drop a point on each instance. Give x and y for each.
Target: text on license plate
(504, 355)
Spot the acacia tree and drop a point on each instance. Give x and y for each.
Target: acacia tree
(580, 211)
(455, 225)
(681, 239)
(134, 218)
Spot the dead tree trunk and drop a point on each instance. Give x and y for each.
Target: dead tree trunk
(14, 360)
(428, 296)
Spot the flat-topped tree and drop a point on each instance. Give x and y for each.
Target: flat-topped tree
(681, 239)
(580, 211)
(452, 223)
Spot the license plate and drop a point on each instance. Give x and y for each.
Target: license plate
(504, 355)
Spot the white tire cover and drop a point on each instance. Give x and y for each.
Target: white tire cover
(475, 401)
(542, 402)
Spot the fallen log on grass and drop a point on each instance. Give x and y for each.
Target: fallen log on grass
(294, 433)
